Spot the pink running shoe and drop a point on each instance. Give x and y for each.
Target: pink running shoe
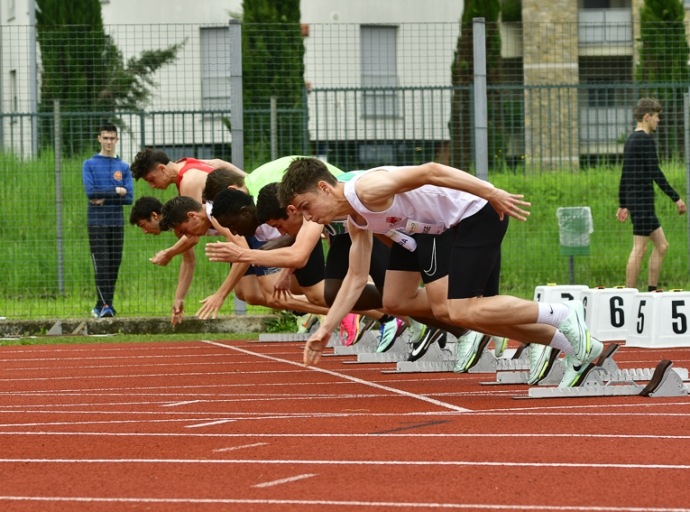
(350, 325)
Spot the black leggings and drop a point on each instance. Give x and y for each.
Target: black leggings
(106, 244)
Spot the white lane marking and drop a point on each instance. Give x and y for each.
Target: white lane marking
(379, 504)
(175, 404)
(217, 422)
(54, 368)
(285, 480)
(253, 445)
(346, 377)
(318, 462)
(149, 375)
(348, 435)
(105, 358)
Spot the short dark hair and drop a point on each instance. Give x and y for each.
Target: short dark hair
(302, 176)
(145, 161)
(646, 106)
(143, 208)
(219, 179)
(230, 201)
(107, 127)
(267, 205)
(175, 211)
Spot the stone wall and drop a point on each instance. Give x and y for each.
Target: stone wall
(550, 43)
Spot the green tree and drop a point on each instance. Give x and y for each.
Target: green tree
(663, 60)
(86, 71)
(273, 65)
(462, 77)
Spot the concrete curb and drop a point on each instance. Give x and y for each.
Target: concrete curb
(137, 325)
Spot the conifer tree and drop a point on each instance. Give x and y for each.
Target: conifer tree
(86, 71)
(462, 77)
(273, 65)
(664, 55)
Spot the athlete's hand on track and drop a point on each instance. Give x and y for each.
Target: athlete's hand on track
(177, 311)
(161, 258)
(223, 251)
(506, 203)
(315, 345)
(211, 305)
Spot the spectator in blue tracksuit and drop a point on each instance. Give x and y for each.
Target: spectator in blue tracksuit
(108, 185)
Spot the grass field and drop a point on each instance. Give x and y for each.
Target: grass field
(531, 255)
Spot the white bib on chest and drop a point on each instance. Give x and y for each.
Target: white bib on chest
(427, 210)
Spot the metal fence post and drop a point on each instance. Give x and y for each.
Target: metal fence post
(237, 112)
(686, 137)
(274, 127)
(481, 125)
(33, 78)
(58, 196)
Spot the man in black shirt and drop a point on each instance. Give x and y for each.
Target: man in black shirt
(636, 194)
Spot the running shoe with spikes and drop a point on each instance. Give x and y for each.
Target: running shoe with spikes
(389, 333)
(575, 368)
(469, 349)
(306, 322)
(350, 327)
(575, 330)
(541, 357)
(420, 348)
(500, 344)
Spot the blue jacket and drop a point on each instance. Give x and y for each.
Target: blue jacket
(101, 175)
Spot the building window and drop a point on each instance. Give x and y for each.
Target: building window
(14, 102)
(11, 9)
(215, 68)
(379, 70)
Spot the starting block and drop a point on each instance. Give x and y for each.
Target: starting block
(398, 352)
(518, 371)
(604, 378)
(559, 293)
(660, 320)
(294, 337)
(609, 312)
(437, 359)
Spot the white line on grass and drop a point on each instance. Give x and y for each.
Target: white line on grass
(318, 462)
(344, 376)
(285, 480)
(348, 504)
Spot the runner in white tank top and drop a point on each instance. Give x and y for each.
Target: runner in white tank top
(308, 187)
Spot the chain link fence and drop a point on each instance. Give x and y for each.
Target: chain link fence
(559, 106)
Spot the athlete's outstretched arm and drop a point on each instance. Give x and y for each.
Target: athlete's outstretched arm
(350, 291)
(295, 256)
(376, 189)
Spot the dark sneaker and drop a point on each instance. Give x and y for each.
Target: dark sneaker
(107, 312)
(419, 349)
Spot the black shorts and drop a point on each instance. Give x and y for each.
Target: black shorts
(314, 271)
(431, 258)
(254, 243)
(644, 223)
(476, 256)
(338, 260)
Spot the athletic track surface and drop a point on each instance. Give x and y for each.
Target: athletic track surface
(242, 426)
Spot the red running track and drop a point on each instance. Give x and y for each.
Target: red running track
(242, 426)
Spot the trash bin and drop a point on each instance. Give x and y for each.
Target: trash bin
(575, 225)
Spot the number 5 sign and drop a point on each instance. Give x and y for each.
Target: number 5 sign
(661, 320)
